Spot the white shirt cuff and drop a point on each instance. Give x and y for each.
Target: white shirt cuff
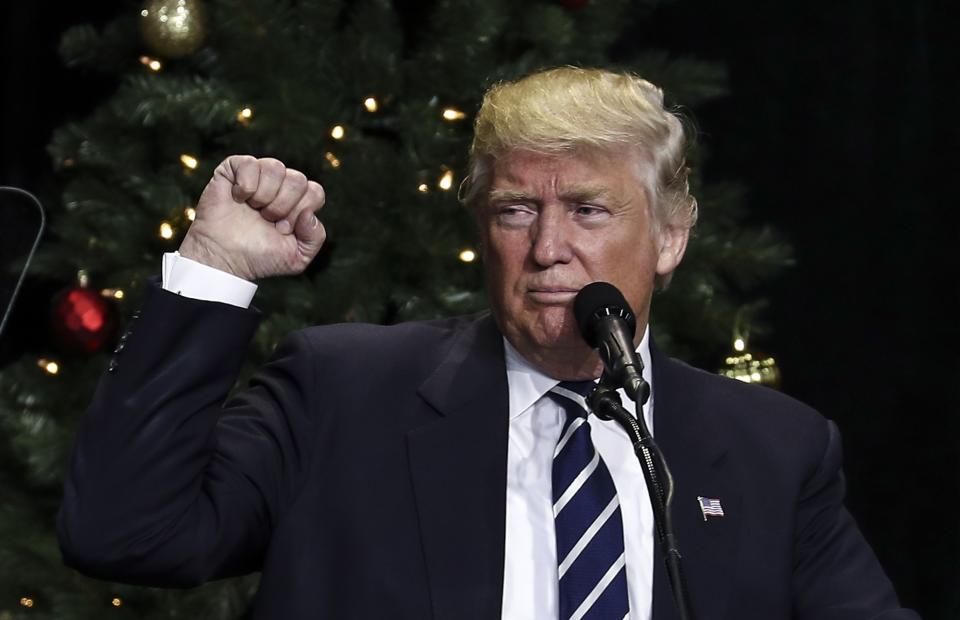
(198, 281)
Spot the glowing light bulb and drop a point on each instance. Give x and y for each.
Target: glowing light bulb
(166, 230)
(468, 255)
(338, 132)
(370, 104)
(189, 161)
(49, 366)
(330, 157)
(739, 344)
(151, 63)
(423, 188)
(453, 114)
(26, 601)
(116, 602)
(190, 213)
(446, 181)
(244, 115)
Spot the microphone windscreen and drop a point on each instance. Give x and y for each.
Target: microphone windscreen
(596, 300)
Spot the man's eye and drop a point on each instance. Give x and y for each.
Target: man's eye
(590, 210)
(515, 213)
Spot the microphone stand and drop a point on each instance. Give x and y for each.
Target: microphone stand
(605, 402)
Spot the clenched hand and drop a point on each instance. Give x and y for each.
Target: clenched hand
(256, 218)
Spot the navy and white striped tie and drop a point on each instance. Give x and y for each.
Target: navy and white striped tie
(586, 511)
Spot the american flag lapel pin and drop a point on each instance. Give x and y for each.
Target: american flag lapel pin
(710, 507)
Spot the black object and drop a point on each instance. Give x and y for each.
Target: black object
(607, 323)
(21, 224)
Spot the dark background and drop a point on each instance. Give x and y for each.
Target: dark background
(841, 124)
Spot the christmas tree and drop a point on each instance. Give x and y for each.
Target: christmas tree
(373, 99)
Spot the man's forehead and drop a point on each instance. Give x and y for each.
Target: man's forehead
(519, 174)
(518, 190)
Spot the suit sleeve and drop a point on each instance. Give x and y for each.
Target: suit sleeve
(167, 486)
(836, 574)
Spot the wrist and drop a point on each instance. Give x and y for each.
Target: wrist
(211, 255)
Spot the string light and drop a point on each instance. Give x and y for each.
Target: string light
(370, 104)
(190, 213)
(330, 157)
(116, 602)
(739, 344)
(453, 114)
(338, 132)
(189, 161)
(116, 293)
(166, 230)
(26, 601)
(151, 63)
(468, 255)
(446, 181)
(48, 366)
(244, 116)
(423, 188)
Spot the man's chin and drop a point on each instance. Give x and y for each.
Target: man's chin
(562, 335)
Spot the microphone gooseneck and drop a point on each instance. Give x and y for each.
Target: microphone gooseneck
(607, 324)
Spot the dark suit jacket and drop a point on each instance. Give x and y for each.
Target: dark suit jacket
(364, 472)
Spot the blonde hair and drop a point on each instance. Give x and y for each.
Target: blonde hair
(567, 109)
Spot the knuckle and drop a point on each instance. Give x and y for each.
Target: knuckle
(317, 193)
(271, 164)
(296, 177)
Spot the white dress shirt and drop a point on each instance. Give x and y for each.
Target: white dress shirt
(530, 580)
(530, 584)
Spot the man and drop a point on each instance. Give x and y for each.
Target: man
(428, 470)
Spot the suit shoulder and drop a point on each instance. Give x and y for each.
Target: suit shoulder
(750, 407)
(369, 348)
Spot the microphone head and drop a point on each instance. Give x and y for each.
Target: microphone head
(596, 301)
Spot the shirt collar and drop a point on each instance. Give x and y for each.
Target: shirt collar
(527, 384)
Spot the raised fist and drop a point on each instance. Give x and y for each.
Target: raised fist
(256, 218)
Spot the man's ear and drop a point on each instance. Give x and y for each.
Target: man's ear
(673, 243)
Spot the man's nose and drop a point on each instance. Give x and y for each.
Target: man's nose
(551, 238)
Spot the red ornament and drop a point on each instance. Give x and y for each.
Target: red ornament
(83, 321)
(573, 4)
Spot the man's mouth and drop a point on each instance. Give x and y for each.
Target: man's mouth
(553, 294)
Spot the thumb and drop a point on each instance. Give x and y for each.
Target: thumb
(310, 233)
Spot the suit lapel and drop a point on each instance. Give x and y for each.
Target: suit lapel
(691, 440)
(458, 464)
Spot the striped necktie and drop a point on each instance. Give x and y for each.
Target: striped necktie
(586, 511)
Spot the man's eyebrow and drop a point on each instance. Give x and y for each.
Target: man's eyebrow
(509, 195)
(579, 193)
(585, 193)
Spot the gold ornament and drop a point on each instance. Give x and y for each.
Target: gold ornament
(744, 366)
(173, 28)
(751, 369)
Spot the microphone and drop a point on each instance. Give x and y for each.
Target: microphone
(608, 325)
(23, 223)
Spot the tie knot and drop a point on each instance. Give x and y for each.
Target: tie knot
(572, 396)
(583, 388)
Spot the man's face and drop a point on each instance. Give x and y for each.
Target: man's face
(553, 224)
